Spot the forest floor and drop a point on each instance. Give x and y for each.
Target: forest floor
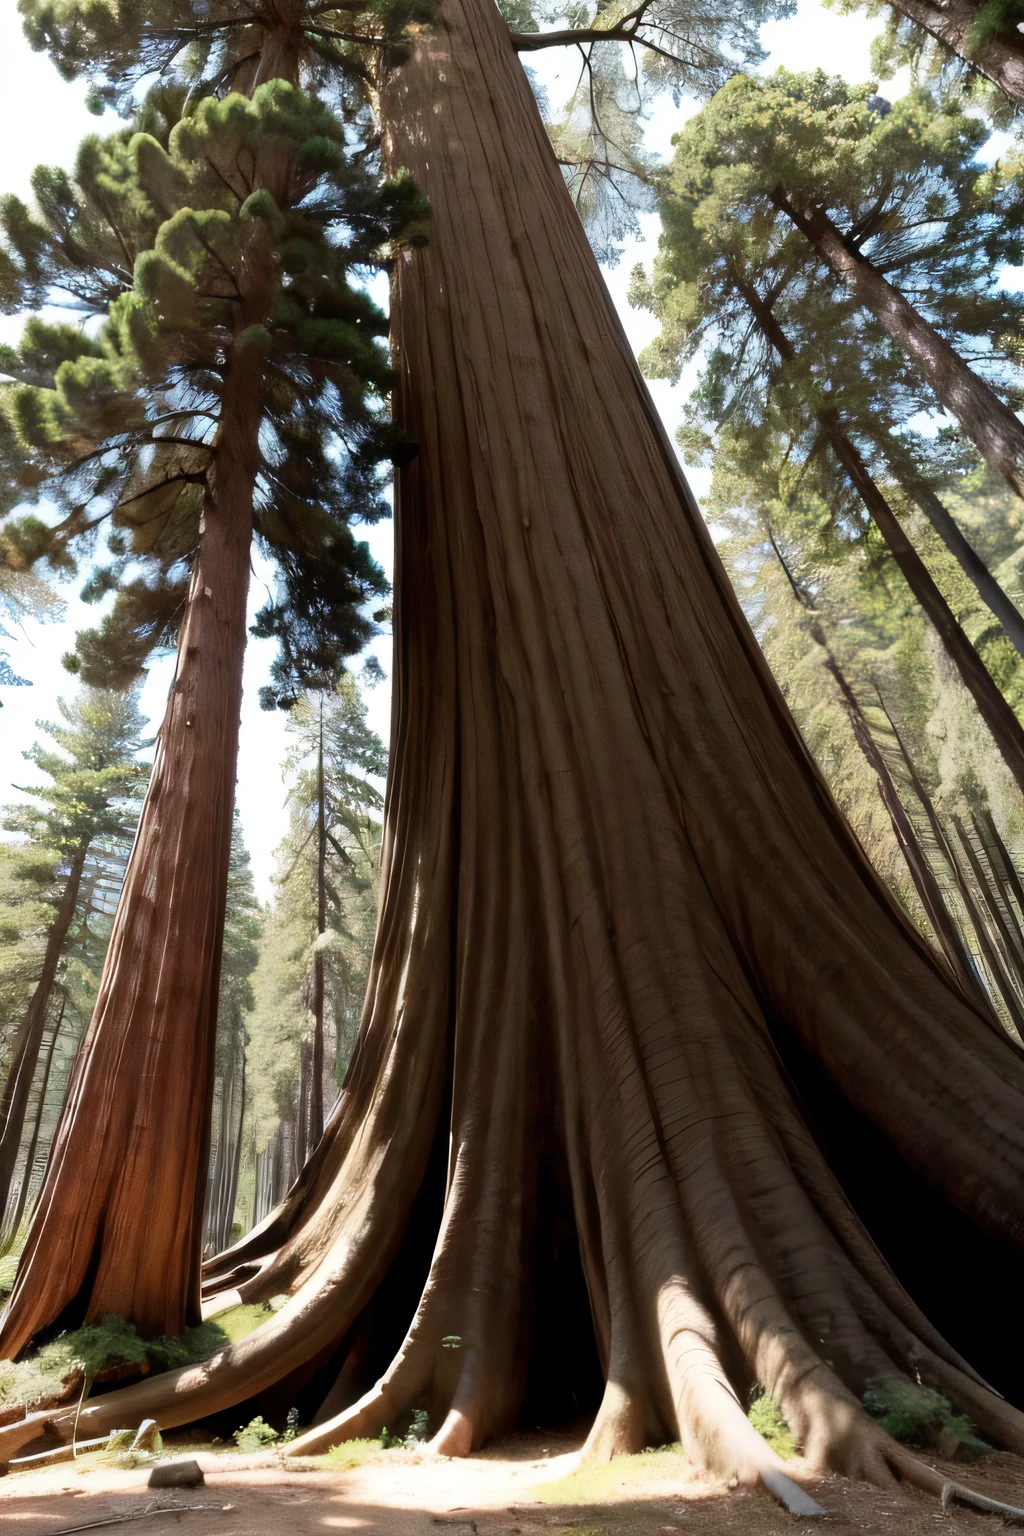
(525, 1486)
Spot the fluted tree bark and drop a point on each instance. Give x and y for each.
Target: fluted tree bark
(613, 882)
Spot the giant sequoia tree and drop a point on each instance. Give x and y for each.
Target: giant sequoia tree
(629, 952)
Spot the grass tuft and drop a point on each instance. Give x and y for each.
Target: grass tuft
(766, 1416)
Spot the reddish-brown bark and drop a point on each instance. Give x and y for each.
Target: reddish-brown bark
(118, 1226)
(611, 871)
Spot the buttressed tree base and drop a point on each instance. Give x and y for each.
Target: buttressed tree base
(620, 910)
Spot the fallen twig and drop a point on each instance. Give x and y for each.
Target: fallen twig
(956, 1493)
(140, 1514)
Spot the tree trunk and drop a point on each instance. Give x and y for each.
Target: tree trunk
(946, 932)
(611, 871)
(986, 420)
(29, 1038)
(1000, 56)
(990, 955)
(974, 568)
(13, 1222)
(316, 1101)
(119, 1223)
(224, 1178)
(998, 716)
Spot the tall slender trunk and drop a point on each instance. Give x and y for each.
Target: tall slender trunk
(994, 710)
(316, 1096)
(973, 567)
(224, 1177)
(990, 955)
(612, 871)
(12, 1221)
(991, 592)
(118, 1227)
(18, 1084)
(944, 927)
(987, 420)
(1000, 56)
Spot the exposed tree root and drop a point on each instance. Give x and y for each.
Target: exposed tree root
(610, 870)
(954, 1494)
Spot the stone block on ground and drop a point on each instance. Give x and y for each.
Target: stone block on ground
(176, 1474)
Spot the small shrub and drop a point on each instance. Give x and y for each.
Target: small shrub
(291, 1424)
(417, 1432)
(922, 1417)
(766, 1416)
(255, 1436)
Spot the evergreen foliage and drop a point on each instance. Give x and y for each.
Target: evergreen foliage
(903, 185)
(920, 1416)
(120, 424)
(209, 43)
(243, 925)
(76, 833)
(908, 42)
(95, 778)
(29, 888)
(281, 1025)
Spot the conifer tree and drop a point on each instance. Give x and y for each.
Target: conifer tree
(92, 799)
(963, 42)
(334, 804)
(587, 996)
(318, 937)
(893, 203)
(796, 377)
(235, 390)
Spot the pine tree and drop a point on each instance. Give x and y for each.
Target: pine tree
(91, 802)
(893, 203)
(333, 802)
(795, 378)
(318, 936)
(963, 42)
(233, 392)
(620, 912)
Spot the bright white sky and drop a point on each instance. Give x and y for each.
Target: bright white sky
(42, 119)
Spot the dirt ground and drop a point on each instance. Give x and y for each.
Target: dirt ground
(523, 1487)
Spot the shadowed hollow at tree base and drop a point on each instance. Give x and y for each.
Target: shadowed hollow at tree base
(612, 875)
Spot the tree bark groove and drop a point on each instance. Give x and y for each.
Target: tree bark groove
(609, 863)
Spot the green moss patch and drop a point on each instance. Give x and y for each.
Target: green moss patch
(594, 1485)
(108, 1351)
